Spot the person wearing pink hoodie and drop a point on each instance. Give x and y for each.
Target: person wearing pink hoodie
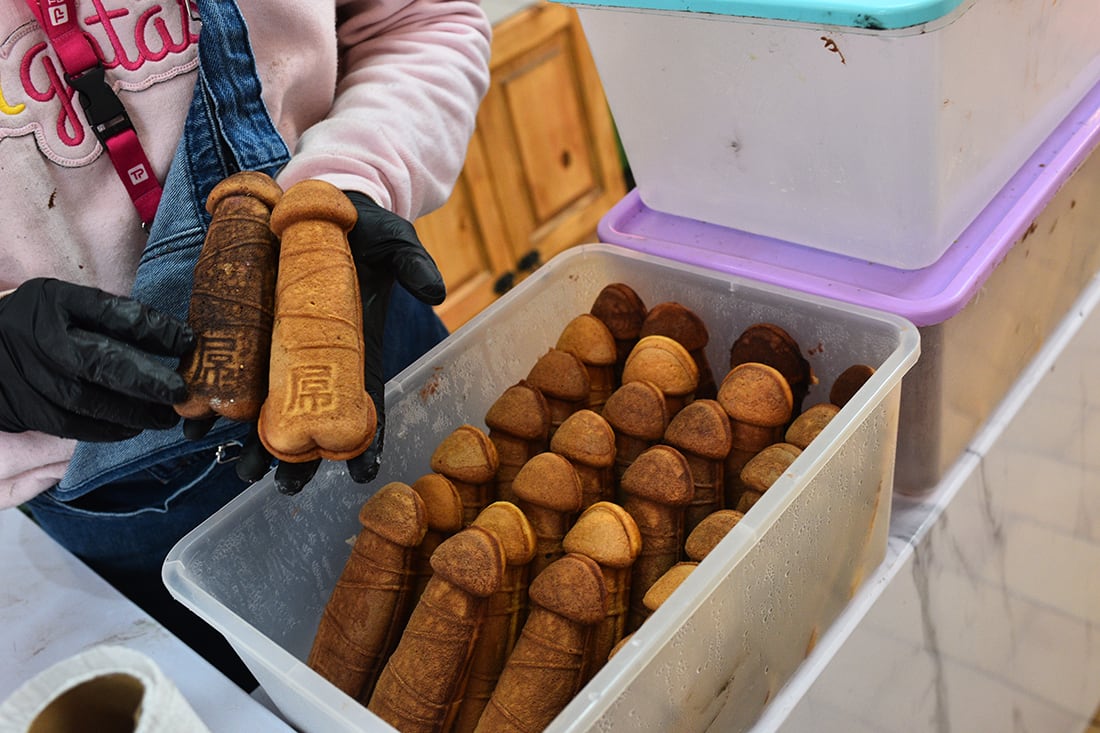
(117, 117)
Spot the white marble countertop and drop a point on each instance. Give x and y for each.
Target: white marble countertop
(984, 615)
(53, 607)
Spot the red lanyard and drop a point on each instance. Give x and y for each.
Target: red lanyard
(102, 107)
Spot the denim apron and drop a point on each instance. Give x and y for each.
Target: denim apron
(121, 506)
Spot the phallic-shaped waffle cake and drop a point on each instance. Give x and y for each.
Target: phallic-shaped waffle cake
(317, 405)
(770, 344)
(519, 426)
(543, 673)
(804, 428)
(588, 442)
(759, 402)
(360, 625)
(656, 490)
(638, 414)
(701, 432)
(420, 687)
(848, 383)
(623, 312)
(563, 380)
(608, 534)
(588, 338)
(667, 584)
(667, 364)
(445, 518)
(683, 325)
(507, 610)
(709, 532)
(469, 459)
(550, 493)
(233, 302)
(763, 470)
(768, 465)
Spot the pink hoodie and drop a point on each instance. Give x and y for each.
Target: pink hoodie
(378, 96)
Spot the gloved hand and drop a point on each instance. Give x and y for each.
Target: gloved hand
(385, 247)
(78, 362)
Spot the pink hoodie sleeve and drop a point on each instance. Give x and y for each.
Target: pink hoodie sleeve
(413, 75)
(32, 462)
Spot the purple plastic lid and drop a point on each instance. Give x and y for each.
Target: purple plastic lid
(927, 296)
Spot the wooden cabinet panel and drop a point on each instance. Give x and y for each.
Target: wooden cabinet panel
(542, 103)
(553, 156)
(467, 240)
(543, 165)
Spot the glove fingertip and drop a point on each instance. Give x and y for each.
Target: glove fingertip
(179, 335)
(364, 467)
(291, 478)
(177, 391)
(289, 488)
(249, 473)
(196, 428)
(419, 274)
(254, 461)
(434, 295)
(161, 417)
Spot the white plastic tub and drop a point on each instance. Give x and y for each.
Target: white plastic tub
(261, 569)
(984, 309)
(873, 129)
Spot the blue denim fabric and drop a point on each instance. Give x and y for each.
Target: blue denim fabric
(122, 506)
(410, 331)
(227, 130)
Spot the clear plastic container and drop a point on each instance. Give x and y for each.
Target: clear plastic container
(261, 570)
(874, 129)
(984, 309)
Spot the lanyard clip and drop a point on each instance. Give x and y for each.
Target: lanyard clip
(228, 451)
(102, 107)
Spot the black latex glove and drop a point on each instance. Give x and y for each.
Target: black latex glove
(385, 248)
(77, 362)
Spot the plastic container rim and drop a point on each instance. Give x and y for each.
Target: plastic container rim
(581, 711)
(862, 15)
(926, 297)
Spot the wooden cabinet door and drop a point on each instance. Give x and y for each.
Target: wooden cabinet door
(467, 240)
(551, 146)
(542, 168)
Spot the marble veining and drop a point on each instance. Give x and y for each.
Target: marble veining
(984, 615)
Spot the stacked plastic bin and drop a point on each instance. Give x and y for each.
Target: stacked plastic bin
(926, 159)
(984, 308)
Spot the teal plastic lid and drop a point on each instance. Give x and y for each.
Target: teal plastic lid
(867, 14)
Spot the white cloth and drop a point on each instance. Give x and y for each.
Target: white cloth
(117, 680)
